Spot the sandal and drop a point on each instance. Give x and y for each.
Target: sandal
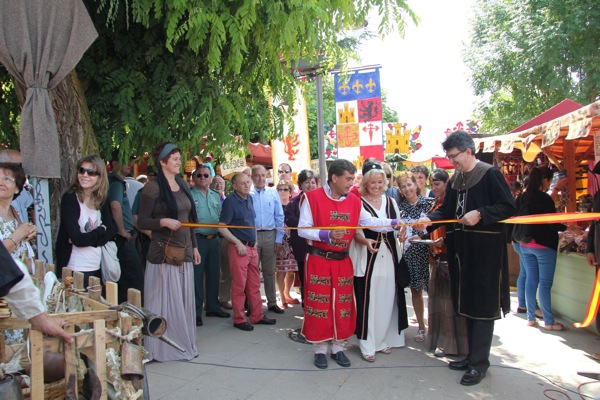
(420, 336)
(557, 326)
(387, 350)
(538, 314)
(532, 323)
(521, 310)
(368, 358)
(290, 300)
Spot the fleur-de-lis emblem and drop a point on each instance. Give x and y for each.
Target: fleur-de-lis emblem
(371, 85)
(344, 89)
(357, 87)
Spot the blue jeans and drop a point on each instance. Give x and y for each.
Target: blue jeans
(540, 265)
(522, 276)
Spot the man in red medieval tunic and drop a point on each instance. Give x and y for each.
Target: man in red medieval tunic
(329, 310)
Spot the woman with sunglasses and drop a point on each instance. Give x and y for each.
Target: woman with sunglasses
(86, 221)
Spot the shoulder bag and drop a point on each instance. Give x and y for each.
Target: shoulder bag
(109, 263)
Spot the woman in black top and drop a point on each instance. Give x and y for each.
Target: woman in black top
(539, 254)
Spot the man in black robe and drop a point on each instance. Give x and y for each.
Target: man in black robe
(478, 196)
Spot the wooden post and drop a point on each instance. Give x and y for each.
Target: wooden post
(37, 364)
(95, 288)
(111, 293)
(570, 165)
(71, 363)
(134, 297)
(78, 280)
(39, 270)
(100, 354)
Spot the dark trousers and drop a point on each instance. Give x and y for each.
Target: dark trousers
(132, 272)
(480, 334)
(209, 267)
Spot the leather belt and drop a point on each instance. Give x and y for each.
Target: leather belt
(328, 255)
(250, 244)
(206, 236)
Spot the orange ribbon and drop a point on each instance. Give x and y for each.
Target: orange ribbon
(592, 305)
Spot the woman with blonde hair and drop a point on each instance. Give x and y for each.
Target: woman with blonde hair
(86, 221)
(414, 206)
(380, 303)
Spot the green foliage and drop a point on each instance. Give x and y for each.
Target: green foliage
(9, 112)
(527, 55)
(182, 70)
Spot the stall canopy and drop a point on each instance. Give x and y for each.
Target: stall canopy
(260, 154)
(567, 141)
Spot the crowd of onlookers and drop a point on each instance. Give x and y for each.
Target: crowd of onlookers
(345, 250)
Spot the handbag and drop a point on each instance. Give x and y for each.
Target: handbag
(403, 274)
(173, 255)
(109, 263)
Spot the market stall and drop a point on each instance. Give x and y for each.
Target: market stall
(567, 142)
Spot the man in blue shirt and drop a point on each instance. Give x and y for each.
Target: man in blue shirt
(269, 223)
(208, 209)
(243, 258)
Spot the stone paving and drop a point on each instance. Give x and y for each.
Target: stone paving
(527, 363)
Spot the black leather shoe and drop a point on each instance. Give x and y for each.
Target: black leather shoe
(276, 309)
(461, 365)
(320, 361)
(244, 326)
(341, 359)
(199, 321)
(266, 321)
(219, 314)
(472, 377)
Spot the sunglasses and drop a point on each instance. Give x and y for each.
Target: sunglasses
(199, 175)
(283, 189)
(90, 172)
(281, 171)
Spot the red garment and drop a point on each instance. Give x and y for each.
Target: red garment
(245, 281)
(329, 309)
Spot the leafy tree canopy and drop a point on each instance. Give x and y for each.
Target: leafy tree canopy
(181, 70)
(527, 55)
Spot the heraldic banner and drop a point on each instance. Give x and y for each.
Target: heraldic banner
(358, 116)
(294, 148)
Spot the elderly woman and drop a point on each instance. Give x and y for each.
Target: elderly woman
(413, 206)
(169, 281)
(86, 221)
(285, 262)
(381, 312)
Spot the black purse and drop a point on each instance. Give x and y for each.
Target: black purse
(402, 274)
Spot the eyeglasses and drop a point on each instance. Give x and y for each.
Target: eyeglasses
(281, 171)
(283, 189)
(90, 172)
(451, 157)
(199, 175)
(7, 179)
